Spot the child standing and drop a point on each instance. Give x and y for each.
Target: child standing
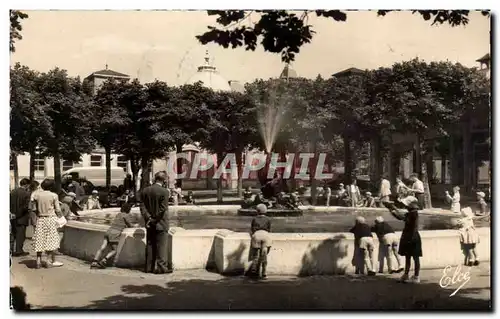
(454, 200)
(363, 246)
(468, 237)
(261, 240)
(122, 220)
(388, 245)
(481, 203)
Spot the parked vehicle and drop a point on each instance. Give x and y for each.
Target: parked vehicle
(96, 175)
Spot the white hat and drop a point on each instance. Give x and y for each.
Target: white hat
(360, 220)
(368, 194)
(71, 194)
(482, 194)
(408, 200)
(95, 191)
(379, 219)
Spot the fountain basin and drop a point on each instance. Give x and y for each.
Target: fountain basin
(228, 252)
(271, 212)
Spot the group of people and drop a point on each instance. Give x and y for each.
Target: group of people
(39, 205)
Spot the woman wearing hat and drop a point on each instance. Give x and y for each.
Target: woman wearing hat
(410, 243)
(93, 201)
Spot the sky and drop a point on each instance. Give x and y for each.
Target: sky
(162, 45)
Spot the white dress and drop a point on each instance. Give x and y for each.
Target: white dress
(455, 202)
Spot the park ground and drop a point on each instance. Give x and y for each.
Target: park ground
(76, 286)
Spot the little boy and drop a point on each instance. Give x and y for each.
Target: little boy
(369, 201)
(261, 240)
(122, 220)
(189, 198)
(481, 203)
(363, 246)
(388, 245)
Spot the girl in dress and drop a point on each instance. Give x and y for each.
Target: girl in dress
(468, 237)
(454, 200)
(46, 238)
(410, 243)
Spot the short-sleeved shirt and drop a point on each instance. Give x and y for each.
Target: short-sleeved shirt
(121, 221)
(47, 203)
(418, 186)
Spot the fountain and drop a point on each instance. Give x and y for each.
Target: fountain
(273, 105)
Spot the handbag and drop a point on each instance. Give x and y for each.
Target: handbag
(61, 221)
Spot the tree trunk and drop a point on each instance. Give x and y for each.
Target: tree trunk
(179, 161)
(134, 167)
(312, 175)
(32, 162)
(418, 157)
(348, 167)
(429, 160)
(443, 169)
(108, 166)
(239, 163)
(424, 175)
(220, 199)
(57, 172)
(16, 169)
(145, 165)
(376, 163)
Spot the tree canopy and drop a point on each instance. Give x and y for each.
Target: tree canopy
(285, 32)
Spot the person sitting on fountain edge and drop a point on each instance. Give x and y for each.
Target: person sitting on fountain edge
(247, 197)
(189, 198)
(122, 220)
(261, 241)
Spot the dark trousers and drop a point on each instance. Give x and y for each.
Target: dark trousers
(17, 237)
(421, 200)
(156, 250)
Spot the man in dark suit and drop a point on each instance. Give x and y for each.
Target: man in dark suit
(19, 217)
(154, 210)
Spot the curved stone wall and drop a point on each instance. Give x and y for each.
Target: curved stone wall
(227, 251)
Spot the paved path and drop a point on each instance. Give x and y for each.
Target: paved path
(76, 286)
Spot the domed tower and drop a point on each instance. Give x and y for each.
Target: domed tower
(210, 77)
(288, 73)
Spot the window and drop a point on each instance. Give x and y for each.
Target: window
(67, 165)
(95, 160)
(39, 162)
(122, 161)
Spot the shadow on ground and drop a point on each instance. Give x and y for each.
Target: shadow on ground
(312, 293)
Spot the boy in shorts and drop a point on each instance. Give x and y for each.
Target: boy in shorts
(261, 240)
(122, 220)
(388, 245)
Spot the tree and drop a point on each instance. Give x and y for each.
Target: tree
(285, 32)
(142, 138)
(28, 121)
(66, 104)
(232, 127)
(110, 118)
(185, 116)
(15, 27)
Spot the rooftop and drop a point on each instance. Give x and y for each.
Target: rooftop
(485, 58)
(288, 72)
(109, 73)
(349, 71)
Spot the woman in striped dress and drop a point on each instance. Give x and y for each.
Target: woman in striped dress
(46, 238)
